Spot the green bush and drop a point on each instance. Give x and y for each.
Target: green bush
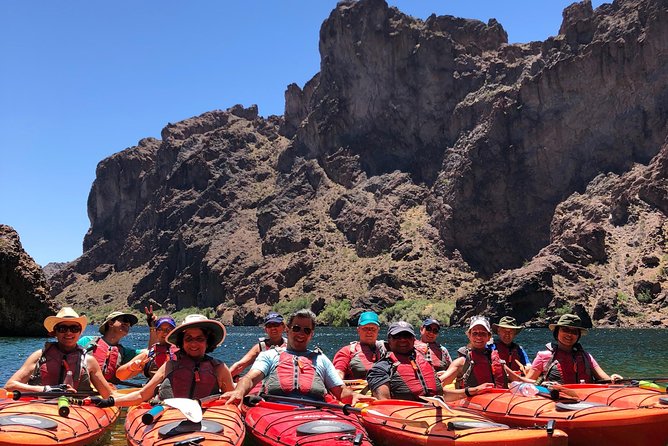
(645, 297)
(542, 313)
(335, 314)
(564, 309)
(180, 315)
(287, 307)
(414, 311)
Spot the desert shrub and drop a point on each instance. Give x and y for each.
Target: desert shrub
(287, 307)
(335, 313)
(414, 311)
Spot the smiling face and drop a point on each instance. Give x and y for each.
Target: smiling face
(298, 339)
(368, 333)
(162, 331)
(429, 333)
(194, 342)
(401, 343)
(478, 337)
(118, 327)
(506, 335)
(67, 334)
(567, 337)
(274, 331)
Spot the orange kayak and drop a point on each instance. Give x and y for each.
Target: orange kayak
(619, 395)
(440, 427)
(220, 425)
(33, 421)
(587, 423)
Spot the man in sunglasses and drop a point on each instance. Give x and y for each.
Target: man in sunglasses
(404, 373)
(106, 349)
(434, 352)
(294, 371)
(46, 369)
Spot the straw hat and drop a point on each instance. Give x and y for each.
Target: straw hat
(507, 322)
(199, 321)
(569, 320)
(66, 314)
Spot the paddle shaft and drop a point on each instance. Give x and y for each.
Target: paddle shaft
(16, 394)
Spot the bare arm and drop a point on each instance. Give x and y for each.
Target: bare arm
(224, 378)
(245, 384)
(458, 394)
(244, 362)
(600, 375)
(450, 374)
(97, 378)
(143, 394)
(19, 380)
(532, 374)
(133, 367)
(342, 393)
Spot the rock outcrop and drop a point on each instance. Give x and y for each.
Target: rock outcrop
(510, 177)
(24, 291)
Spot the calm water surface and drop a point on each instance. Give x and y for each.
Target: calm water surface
(629, 352)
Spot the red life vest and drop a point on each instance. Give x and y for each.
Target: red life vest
(264, 345)
(296, 374)
(568, 367)
(192, 379)
(108, 356)
(435, 353)
(415, 373)
(481, 367)
(54, 364)
(158, 354)
(510, 354)
(362, 358)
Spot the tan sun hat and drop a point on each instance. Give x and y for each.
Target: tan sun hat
(569, 320)
(507, 322)
(113, 315)
(203, 322)
(66, 314)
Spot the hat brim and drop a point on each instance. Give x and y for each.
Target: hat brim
(104, 324)
(273, 321)
(216, 327)
(583, 331)
(401, 331)
(514, 327)
(51, 321)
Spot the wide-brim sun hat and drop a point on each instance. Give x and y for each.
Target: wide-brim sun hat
(571, 321)
(507, 322)
(199, 321)
(66, 314)
(113, 315)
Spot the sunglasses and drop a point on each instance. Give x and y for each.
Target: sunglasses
(124, 319)
(402, 335)
(66, 328)
(432, 330)
(297, 329)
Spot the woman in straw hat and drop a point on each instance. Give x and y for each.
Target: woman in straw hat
(46, 369)
(193, 374)
(509, 351)
(565, 361)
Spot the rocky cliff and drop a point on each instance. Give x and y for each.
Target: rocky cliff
(24, 292)
(428, 161)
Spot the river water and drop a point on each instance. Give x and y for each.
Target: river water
(629, 352)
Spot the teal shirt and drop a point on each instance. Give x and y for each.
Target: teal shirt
(126, 353)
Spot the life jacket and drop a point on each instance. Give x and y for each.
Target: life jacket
(415, 373)
(192, 379)
(108, 356)
(54, 364)
(158, 354)
(362, 358)
(568, 367)
(511, 354)
(264, 345)
(435, 353)
(481, 367)
(296, 374)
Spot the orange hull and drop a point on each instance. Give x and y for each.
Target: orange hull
(440, 430)
(618, 396)
(221, 425)
(585, 425)
(37, 422)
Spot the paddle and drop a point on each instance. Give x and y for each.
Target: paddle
(437, 402)
(346, 408)
(189, 408)
(153, 414)
(16, 394)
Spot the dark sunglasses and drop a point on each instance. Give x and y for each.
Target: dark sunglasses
(297, 329)
(124, 319)
(432, 330)
(402, 335)
(66, 328)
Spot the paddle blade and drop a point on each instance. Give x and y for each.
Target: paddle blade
(437, 402)
(189, 408)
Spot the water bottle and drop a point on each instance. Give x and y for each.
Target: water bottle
(524, 389)
(69, 378)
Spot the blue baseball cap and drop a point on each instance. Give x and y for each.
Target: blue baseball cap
(165, 320)
(273, 318)
(368, 317)
(430, 321)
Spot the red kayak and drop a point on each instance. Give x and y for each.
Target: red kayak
(271, 424)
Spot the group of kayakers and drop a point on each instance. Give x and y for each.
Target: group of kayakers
(178, 364)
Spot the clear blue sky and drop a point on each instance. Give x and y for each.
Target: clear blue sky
(81, 80)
